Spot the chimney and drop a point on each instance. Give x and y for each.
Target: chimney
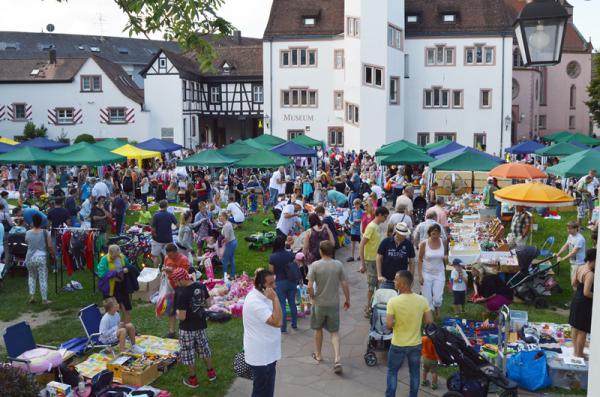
(237, 36)
(52, 56)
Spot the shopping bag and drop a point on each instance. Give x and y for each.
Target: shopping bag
(166, 295)
(529, 370)
(240, 367)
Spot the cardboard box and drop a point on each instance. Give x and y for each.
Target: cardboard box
(142, 378)
(57, 389)
(149, 282)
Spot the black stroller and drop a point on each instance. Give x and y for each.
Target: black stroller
(532, 283)
(419, 209)
(475, 373)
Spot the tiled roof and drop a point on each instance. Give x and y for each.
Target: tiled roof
(286, 18)
(121, 79)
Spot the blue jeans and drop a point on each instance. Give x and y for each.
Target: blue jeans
(264, 380)
(120, 223)
(273, 193)
(286, 290)
(395, 359)
(229, 257)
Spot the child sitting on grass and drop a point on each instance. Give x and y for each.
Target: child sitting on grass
(113, 330)
(430, 360)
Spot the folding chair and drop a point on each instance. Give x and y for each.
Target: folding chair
(90, 317)
(19, 341)
(545, 250)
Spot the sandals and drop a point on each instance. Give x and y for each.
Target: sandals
(337, 368)
(317, 359)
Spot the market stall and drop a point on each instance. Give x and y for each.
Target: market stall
(159, 145)
(42, 143)
(134, 153)
(207, 158)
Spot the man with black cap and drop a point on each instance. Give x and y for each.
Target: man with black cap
(395, 253)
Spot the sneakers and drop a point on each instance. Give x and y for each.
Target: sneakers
(191, 382)
(211, 374)
(136, 349)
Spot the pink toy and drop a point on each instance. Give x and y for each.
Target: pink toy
(42, 360)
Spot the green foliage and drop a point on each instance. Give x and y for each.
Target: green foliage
(16, 382)
(594, 90)
(30, 131)
(63, 138)
(84, 138)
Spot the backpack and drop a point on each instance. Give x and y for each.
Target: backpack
(292, 272)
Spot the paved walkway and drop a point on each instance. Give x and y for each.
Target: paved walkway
(298, 374)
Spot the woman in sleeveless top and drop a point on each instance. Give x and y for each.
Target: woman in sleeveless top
(580, 317)
(318, 232)
(432, 264)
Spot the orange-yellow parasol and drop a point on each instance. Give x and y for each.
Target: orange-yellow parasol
(517, 171)
(534, 195)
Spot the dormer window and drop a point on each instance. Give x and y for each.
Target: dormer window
(309, 21)
(449, 17)
(226, 68)
(47, 47)
(34, 72)
(412, 18)
(94, 49)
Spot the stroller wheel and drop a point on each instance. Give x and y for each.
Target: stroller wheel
(509, 393)
(370, 359)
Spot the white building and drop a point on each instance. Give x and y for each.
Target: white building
(342, 71)
(71, 96)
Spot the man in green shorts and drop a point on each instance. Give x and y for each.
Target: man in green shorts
(328, 275)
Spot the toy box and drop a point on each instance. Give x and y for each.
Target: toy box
(130, 370)
(57, 389)
(567, 376)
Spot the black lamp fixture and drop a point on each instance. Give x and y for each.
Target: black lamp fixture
(540, 30)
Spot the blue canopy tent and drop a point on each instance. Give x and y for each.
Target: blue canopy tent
(293, 149)
(440, 151)
(472, 150)
(158, 145)
(5, 147)
(526, 147)
(41, 143)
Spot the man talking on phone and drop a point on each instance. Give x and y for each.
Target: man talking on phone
(262, 335)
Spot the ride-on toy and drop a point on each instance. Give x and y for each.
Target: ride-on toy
(261, 240)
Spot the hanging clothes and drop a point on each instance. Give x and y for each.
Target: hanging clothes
(65, 241)
(89, 250)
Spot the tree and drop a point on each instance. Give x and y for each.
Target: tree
(185, 21)
(594, 90)
(84, 138)
(63, 138)
(30, 131)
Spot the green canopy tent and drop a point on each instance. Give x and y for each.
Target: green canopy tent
(256, 145)
(307, 141)
(111, 143)
(557, 135)
(438, 144)
(395, 147)
(263, 159)
(237, 150)
(269, 140)
(89, 155)
(579, 138)
(69, 149)
(28, 155)
(207, 158)
(576, 165)
(464, 161)
(558, 150)
(407, 156)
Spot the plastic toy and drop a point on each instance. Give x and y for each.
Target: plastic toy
(261, 241)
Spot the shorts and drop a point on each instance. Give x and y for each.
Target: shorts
(371, 275)
(429, 365)
(325, 317)
(459, 297)
(355, 237)
(157, 248)
(122, 296)
(581, 210)
(193, 343)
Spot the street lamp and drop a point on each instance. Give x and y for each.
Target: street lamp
(540, 30)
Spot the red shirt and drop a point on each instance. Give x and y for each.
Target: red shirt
(180, 262)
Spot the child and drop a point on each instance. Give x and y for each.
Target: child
(303, 287)
(318, 193)
(355, 219)
(459, 278)
(145, 216)
(430, 360)
(112, 330)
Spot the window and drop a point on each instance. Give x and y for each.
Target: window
(517, 59)
(395, 38)
(257, 94)
(571, 122)
(436, 98)
(338, 59)
(394, 90)
(485, 98)
(515, 88)
(412, 18)
(479, 141)
(353, 27)
(294, 133)
(338, 100)
(480, 55)
(117, 115)
(352, 113)
(309, 21)
(406, 66)
(162, 63)
(373, 75)
(440, 136)
(94, 49)
(572, 96)
(19, 111)
(167, 134)
(335, 136)
(297, 57)
(91, 83)
(215, 94)
(440, 56)
(573, 69)
(457, 99)
(449, 18)
(542, 121)
(64, 115)
(422, 138)
(299, 97)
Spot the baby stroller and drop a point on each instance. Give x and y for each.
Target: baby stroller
(379, 335)
(16, 249)
(475, 373)
(419, 209)
(532, 283)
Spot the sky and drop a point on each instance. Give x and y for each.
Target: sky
(103, 17)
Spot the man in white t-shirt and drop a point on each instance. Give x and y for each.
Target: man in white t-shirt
(237, 215)
(591, 187)
(289, 217)
(262, 317)
(100, 189)
(406, 198)
(276, 186)
(575, 245)
(377, 190)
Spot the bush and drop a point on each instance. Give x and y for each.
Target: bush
(30, 131)
(16, 382)
(84, 138)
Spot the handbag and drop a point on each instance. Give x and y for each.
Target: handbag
(529, 370)
(241, 367)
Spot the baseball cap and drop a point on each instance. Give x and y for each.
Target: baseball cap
(299, 256)
(458, 262)
(402, 229)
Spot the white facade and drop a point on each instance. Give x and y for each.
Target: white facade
(91, 111)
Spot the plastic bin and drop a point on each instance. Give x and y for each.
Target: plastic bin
(518, 319)
(567, 376)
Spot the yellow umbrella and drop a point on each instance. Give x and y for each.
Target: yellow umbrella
(8, 141)
(534, 195)
(132, 152)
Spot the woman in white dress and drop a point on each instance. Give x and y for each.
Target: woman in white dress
(432, 265)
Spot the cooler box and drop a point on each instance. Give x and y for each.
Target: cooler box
(149, 282)
(567, 376)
